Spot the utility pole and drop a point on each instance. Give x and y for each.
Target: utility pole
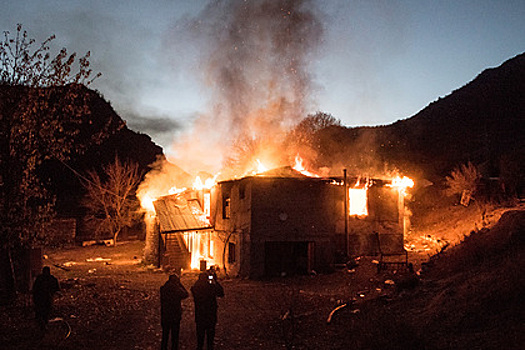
(347, 238)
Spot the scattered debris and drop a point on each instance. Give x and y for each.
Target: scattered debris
(329, 319)
(285, 316)
(98, 259)
(106, 242)
(61, 267)
(352, 264)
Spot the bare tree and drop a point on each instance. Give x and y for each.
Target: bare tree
(110, 198)
(304, 137)
(23, 65)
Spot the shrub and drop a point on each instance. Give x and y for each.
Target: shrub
(464, 178)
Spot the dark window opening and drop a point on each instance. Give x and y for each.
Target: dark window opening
(226, 206)
(231, 253)
(242, 190)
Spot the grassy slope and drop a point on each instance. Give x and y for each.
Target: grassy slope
(470, 297)
(474, 290)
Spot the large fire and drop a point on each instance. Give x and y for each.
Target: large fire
(201, 247)
(201, 244)
(259, 89)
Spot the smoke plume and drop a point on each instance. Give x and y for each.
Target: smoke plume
(254, 58)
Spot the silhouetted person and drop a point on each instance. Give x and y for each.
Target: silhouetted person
(44, 288)
(205, 292)
(171, 295)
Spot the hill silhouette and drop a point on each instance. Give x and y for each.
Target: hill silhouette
(482, 122)
(64, 179)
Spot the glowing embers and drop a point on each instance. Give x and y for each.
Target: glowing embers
(358, 201)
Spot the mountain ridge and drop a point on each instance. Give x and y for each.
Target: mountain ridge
(482, 122)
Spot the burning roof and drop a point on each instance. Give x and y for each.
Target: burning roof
(177, 214)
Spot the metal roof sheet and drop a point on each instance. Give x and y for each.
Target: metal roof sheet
(178, 214)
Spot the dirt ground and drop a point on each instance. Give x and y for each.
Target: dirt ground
(111, 301)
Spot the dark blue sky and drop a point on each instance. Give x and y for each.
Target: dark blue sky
(377, 61)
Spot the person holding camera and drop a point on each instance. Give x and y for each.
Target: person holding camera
(205, 292)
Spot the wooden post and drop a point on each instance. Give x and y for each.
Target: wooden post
(347, 238)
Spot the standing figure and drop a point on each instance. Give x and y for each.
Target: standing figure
(171, 295)
(44, 288)
(205, 292)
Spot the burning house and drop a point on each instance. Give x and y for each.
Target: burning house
(280, 222)
(271, 222)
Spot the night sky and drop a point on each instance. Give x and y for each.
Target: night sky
(364, 62)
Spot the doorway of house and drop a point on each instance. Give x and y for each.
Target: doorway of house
(288, 258)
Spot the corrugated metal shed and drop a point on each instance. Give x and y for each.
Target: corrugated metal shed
(177, 214)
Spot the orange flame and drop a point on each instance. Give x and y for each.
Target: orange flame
(358, 199)
(299, 166)
(176, 190)
(402, 184)
(146, 202)
(260, 167)
(207, 184)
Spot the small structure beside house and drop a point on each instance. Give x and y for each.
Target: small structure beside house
(278, 223)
